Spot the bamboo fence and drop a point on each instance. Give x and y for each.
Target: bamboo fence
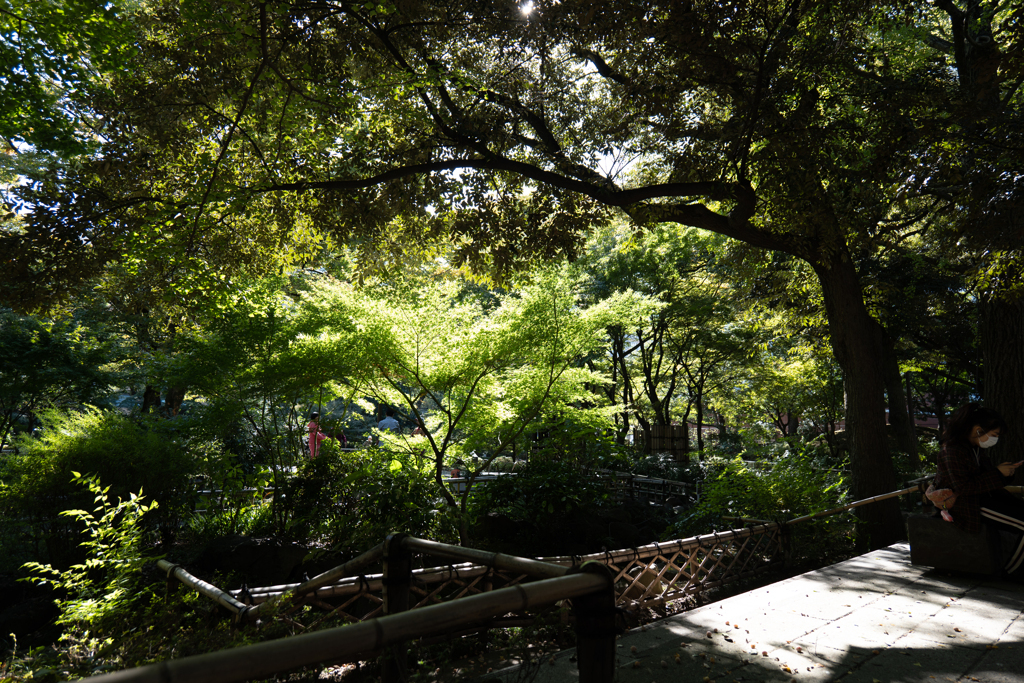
(479, 589)
(346, 643)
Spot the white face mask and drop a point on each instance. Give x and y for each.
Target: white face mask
(989, 443)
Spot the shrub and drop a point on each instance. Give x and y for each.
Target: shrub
(126, 456)
(789, 487)
(539, 489)
(107, 583)
(353, 499)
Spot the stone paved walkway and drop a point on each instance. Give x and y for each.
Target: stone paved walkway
(872, 619)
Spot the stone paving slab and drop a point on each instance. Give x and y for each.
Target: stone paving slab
(872, 619)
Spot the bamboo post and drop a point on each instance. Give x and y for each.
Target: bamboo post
(397, 576)
(595, 627)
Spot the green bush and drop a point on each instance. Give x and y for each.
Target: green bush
(789, 487)
(540, 489)
(127, 456)
(354, 499)
(108, 583)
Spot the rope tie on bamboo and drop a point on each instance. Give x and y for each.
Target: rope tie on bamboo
(363, 581)
(245, 597)
(576, 559)
(658, 547)
(240, 617)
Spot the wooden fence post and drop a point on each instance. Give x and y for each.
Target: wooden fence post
(396, 580)
(595, 628)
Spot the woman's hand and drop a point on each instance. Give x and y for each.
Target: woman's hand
(1008, 468)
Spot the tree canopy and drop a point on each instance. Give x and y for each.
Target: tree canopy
(246, 135)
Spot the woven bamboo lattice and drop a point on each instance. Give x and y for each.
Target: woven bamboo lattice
(658, 577)
(661, 575)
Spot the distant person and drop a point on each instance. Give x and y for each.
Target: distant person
(389, 423)
(967, 470)
(420, 429)
(315, 435)
(339, 436)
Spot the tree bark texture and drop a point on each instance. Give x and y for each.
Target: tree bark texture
(857, 341)
(1002, 347)
(900, 417)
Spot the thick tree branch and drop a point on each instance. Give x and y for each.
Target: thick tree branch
(602, 194)
(602, 66)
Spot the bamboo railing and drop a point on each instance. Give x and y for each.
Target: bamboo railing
(479, 591)
(345, 643)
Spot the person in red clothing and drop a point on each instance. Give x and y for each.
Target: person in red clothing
(315, 435)
(966, 468)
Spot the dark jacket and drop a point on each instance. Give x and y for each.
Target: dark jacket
(969, 472)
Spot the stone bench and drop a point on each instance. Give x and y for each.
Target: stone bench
(937, 543)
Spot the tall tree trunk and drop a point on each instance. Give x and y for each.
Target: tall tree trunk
(1002, 348)
(150, 398)
(899, 414)
(700, 421)
(175, 397)
(856, 342)
(645, 427)
(792, 424)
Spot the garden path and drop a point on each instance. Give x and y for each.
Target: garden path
(871, 619)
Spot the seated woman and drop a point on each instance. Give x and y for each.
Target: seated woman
(966, 468)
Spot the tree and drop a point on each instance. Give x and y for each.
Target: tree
(47, 365)
(478, 370)
(513, 132)
(258, 362)
(975, 153)
(49, 53)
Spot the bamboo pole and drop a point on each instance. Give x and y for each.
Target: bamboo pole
(733, 518)
(536, 568)
(353, 584)
(349, 586)
(370, 557)
(667, 548)
(865, 501)
(263, 660)
(207, 589)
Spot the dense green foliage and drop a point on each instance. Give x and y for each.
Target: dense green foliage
(108, 583)
(497, 134)
(785, 218)
(45, 364)
(37, 483)
(352, 501)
